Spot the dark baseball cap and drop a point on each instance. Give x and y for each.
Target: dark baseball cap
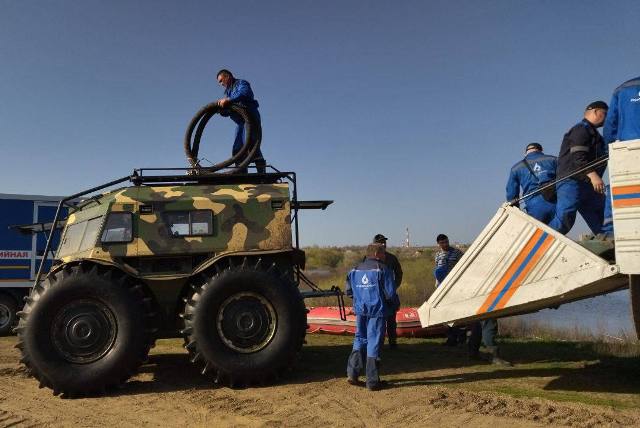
(380, 238)
(536, 146)
(597, 104)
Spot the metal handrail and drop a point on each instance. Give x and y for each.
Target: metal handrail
(595, 163)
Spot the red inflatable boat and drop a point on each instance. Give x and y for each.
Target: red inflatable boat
(326, 319)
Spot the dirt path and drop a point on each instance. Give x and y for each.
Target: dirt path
(169, 392)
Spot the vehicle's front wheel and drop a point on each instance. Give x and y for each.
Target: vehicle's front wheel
(245, 326)
(84, 329)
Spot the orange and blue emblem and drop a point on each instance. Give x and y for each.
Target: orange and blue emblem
(625, 196)
(524, 262)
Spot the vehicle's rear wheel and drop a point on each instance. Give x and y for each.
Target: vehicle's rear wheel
(8, 309)
(245, 325)
(84, 329)
(634, 291)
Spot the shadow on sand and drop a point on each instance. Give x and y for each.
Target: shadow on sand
(417, 359)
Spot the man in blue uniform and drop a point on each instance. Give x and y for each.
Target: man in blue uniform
(531, 173)
(622, 124)
(372, 287)
(445, 259)
(623, 118)
(583, 193)
(392, 263)
(239, 91)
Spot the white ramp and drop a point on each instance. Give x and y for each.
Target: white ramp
(518, 265)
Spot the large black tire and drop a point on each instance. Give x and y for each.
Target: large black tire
(8, 309)
(85, 329)
(252, 140)
(634, 291)
(245, 325)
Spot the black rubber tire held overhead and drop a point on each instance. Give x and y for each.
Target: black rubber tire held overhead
(252, 138)
(85, 329)
(261, 355)
(9, 307)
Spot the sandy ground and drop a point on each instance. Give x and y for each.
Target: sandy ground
(169, 392)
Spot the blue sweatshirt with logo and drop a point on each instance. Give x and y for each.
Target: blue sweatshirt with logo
(623, 117)
(372, 287)
(543, 166)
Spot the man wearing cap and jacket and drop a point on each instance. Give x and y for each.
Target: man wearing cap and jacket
(531, 173)
(372, 287)
(622, 124)
(239, 91)
(392, 263)
(583, 193)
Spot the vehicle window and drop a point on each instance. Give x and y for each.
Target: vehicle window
(190, 223)
(201, 222)
(90, 233)
(72, 238)
(118, 228)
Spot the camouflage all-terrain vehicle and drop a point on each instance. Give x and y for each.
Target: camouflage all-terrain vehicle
(210, 258)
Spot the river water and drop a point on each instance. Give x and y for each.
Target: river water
(603, 315)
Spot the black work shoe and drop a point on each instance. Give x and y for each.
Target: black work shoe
(354, 381)
(475, 356)
(500, 362)
(381, 384)
(393, 345)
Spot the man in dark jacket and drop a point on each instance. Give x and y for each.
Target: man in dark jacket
(239, 91)
(392, 263)
(583, 193)
(622, 124)
(531, 173)
(372, 288)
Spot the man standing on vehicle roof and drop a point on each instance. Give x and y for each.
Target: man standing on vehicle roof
(372, 287)
(239, 91)
(532, 173)
(392, 263)
(622, 124)
(583, 193)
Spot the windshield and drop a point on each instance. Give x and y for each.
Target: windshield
(80, 236)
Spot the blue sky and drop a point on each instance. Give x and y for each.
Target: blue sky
(407, 114)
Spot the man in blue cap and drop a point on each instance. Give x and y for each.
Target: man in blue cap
(392, 263)
(531, 173)
(239, 91)
(372, 288)
(584, 192)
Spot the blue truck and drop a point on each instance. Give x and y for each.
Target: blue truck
(22, 217)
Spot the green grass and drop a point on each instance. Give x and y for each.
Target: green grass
(558, 371)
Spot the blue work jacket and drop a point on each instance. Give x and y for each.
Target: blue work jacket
(623, 117)
(372, 287)
(544, 168)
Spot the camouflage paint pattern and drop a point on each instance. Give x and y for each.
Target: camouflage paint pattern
(246, 217)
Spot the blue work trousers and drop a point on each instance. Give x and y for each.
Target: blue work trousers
(540, 209)
(607, 224)
(482, 332)
(366, 349)
(369, 335)
(578, 196)
(238, 142)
